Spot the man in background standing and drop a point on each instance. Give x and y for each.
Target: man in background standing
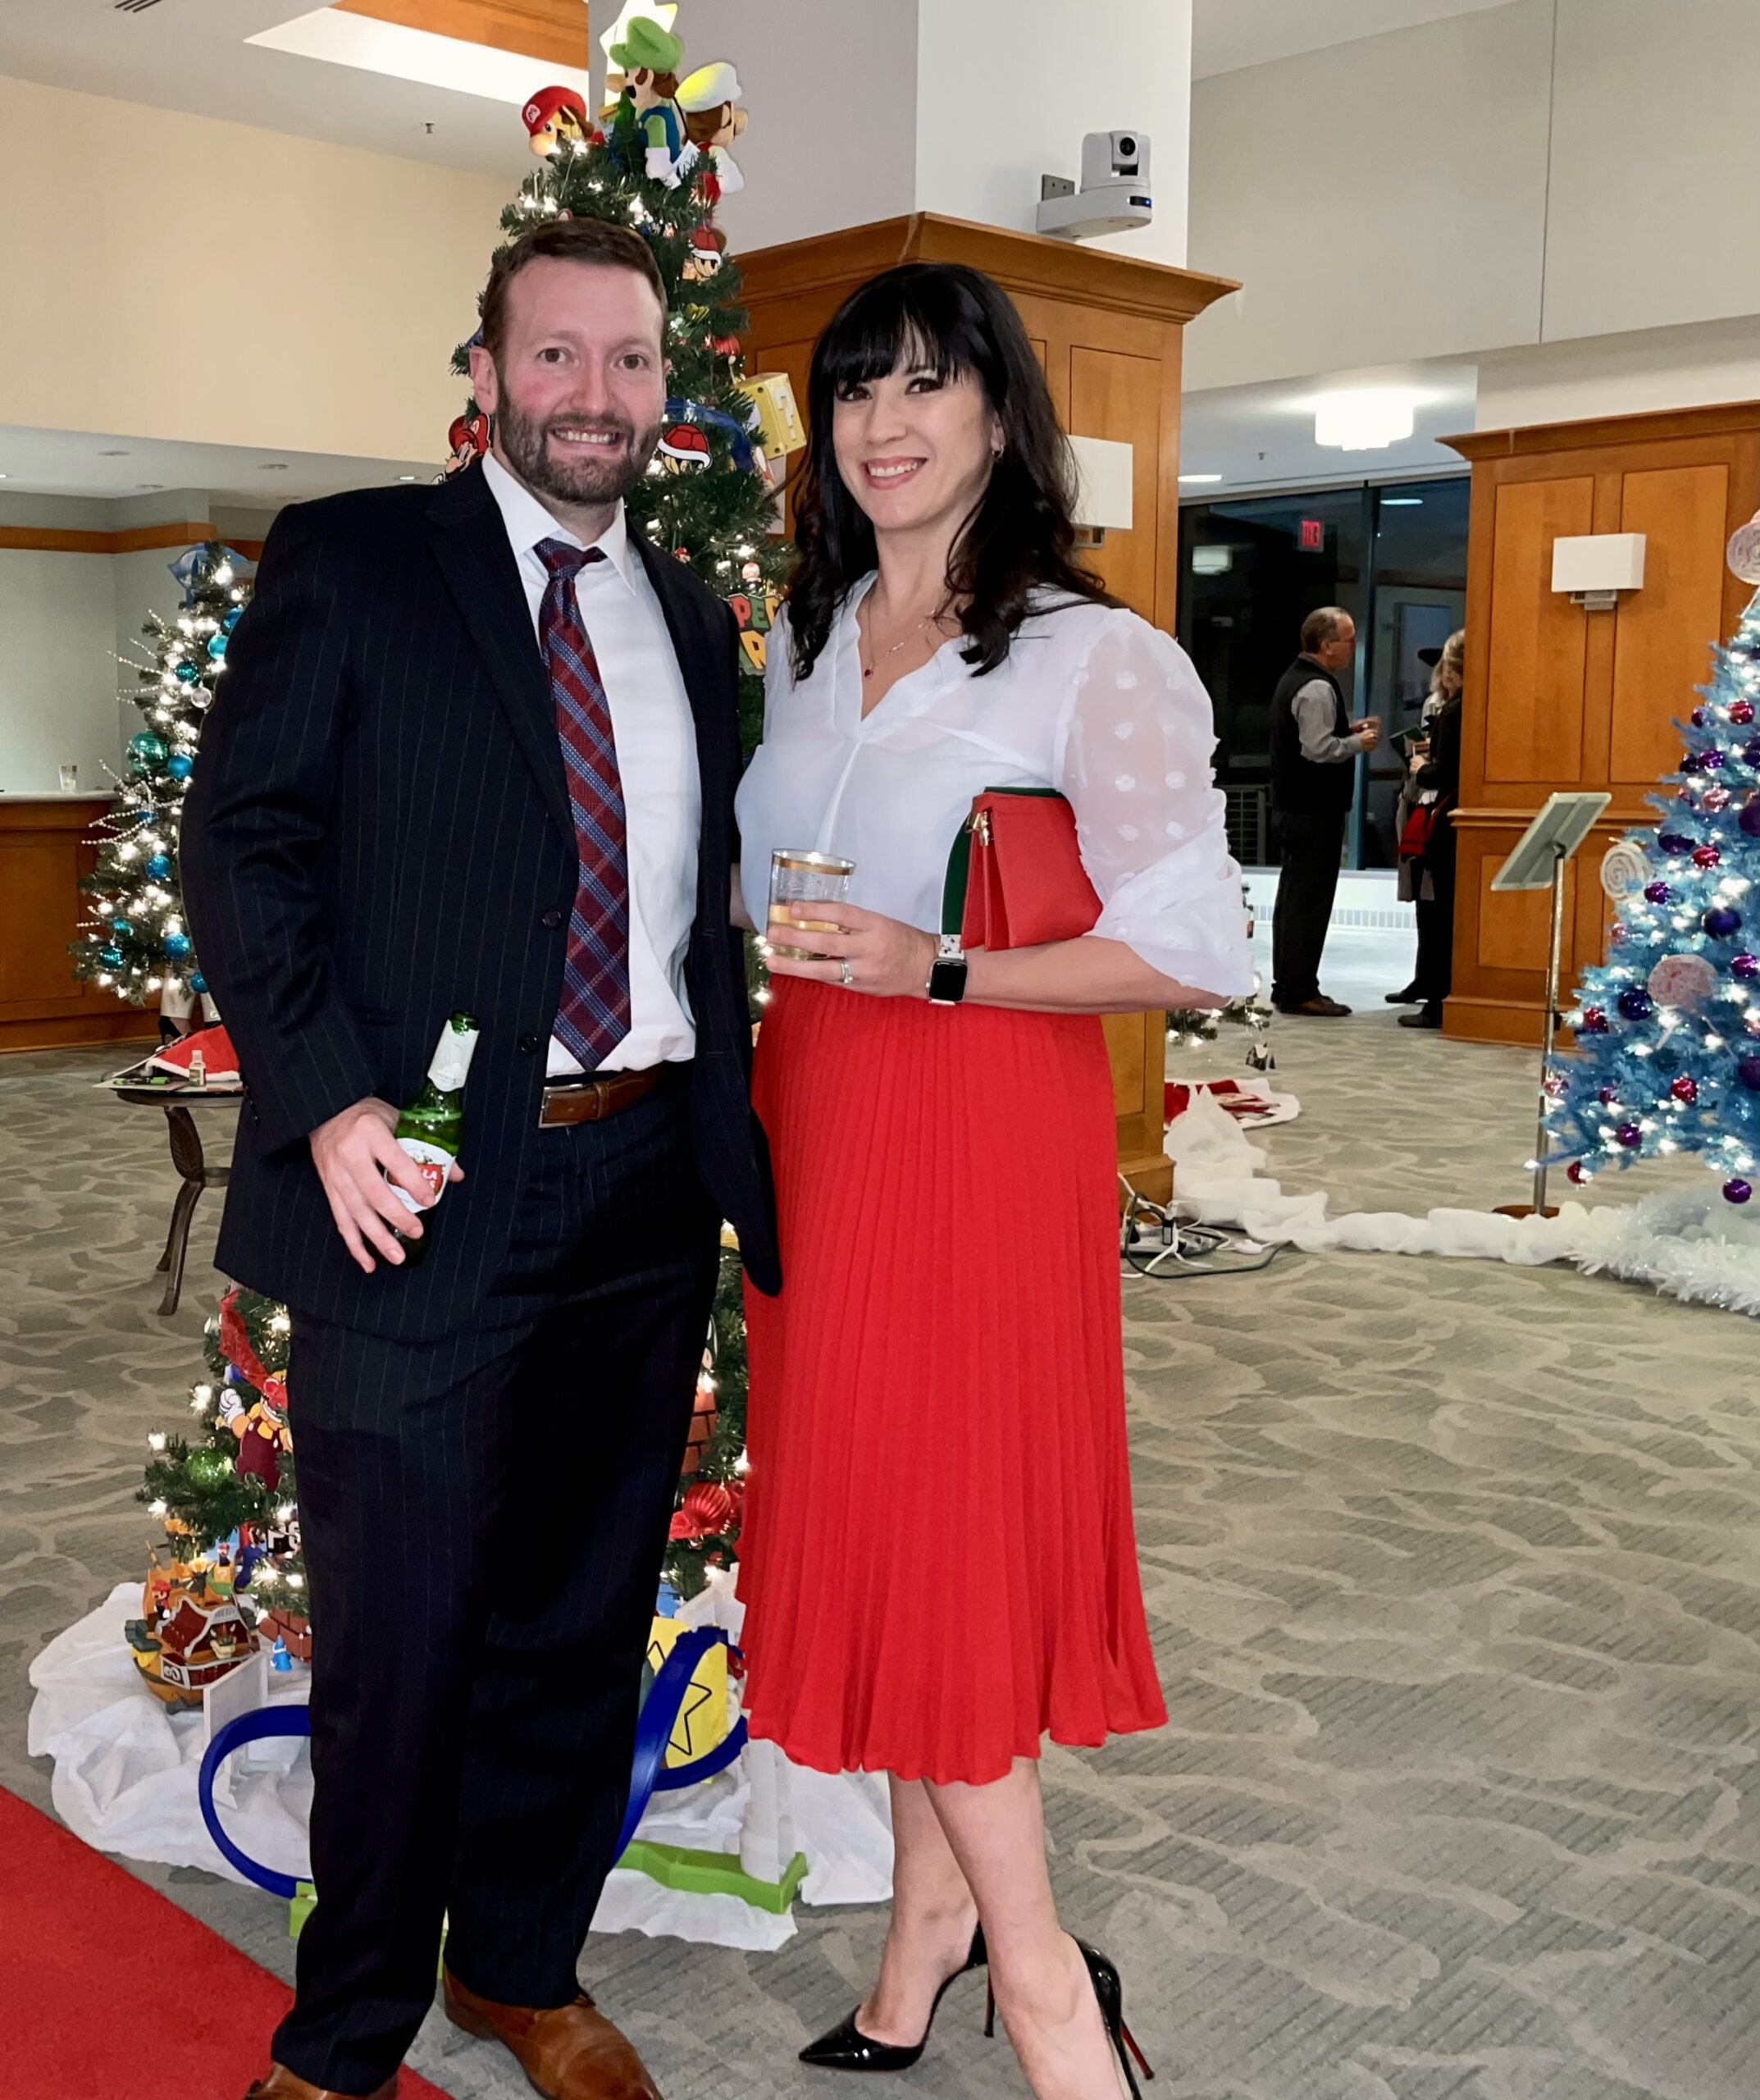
(1314, 752)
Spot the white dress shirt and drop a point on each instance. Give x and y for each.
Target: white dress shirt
(656, 742)
(1090, 701)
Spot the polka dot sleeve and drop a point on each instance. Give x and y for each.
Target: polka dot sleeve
(1135, 748)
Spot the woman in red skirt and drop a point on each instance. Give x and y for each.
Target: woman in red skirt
(938, 1560)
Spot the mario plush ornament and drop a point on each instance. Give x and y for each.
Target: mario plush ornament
(713, 121)
(685, 449)
(468, 439)
(557, 119)
(702, 256)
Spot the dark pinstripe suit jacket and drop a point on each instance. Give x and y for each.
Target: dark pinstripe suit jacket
(377, 833)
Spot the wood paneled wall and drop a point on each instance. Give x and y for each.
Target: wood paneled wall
(43, 854)
(1109, 331)
(1559, 698)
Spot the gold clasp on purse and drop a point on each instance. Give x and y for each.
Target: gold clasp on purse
(979, 826)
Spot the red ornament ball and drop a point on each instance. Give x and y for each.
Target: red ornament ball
(1685, 1089)
(1742, 712)
(1706, 857)
(1577, 1173)
(1594, 1021)
(1606, 1097)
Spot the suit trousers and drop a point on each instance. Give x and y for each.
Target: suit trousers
(1311, 844)
(484, 1518)
(1434, 974)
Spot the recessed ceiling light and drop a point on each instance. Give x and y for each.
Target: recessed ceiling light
(1366, 418)
(406, 477)
(1402, 503)
(1195, 479)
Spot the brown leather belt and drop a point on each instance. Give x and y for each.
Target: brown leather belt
(589, 1100)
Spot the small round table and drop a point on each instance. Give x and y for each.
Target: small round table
(188, 1158)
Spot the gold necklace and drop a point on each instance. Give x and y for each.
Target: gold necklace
(886, 655)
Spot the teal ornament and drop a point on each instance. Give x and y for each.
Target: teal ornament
(216, 648)
(177, 945)
(111, 956)
(159, 866)
(145, 751)
(198, 983)
(120, 928)
(180, 765)
(188, 672)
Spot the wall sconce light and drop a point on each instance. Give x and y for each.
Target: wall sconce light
(1104, 479)
(1595, 567)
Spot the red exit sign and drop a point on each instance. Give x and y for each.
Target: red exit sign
(1313, 535)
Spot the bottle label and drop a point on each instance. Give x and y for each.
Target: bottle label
(434, 1162)
(452, 1059)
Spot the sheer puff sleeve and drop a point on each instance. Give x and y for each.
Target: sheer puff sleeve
(1136, 739)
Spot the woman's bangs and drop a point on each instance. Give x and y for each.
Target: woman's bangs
(887, 328)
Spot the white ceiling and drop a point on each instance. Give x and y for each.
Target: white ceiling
(90, 464)
(193, 55)
(1226, 34)
(1262, 437)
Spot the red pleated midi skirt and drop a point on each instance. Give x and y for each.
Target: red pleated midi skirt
(938, 1560)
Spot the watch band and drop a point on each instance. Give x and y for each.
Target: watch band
(947, 972)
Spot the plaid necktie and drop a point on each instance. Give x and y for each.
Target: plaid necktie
(594, 1015)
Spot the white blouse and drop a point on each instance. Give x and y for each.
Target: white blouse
(1090, 701)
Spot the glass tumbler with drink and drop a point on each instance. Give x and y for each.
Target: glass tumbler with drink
(798, 879)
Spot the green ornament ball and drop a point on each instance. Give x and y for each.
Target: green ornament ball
(207, 1469)
(146, 753)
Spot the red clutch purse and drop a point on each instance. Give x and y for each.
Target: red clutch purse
(1015, 878)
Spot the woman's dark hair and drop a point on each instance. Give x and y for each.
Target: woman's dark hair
(1019, 538)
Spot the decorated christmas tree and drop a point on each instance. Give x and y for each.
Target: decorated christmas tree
(659, 166)
(135, 941)
(1668, 1028)
(224, 1491)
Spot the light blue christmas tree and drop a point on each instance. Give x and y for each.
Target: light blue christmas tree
(1668, 1028)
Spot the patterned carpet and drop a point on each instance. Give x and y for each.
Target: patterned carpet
(1454, 1572)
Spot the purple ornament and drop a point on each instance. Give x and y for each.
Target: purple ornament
(1698, 717)
(1749, 822)
(1656, 893)
(1744, 965)
(1630, 1135)
(1675, 842)
(1689, 763)
(1606, 1097)
(1737, 1191)
(1635, 1003)
(1751, 751)
(1721, 922)
(1709, 761)
(1747, 1071)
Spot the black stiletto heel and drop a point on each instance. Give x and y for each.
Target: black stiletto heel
(990, 2011)
(1110, 1993)
(845, 2047)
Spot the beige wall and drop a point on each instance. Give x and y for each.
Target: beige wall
(231, 286)
(1426, 194)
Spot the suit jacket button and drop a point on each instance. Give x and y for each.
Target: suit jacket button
(530, 1045)
(553, 919)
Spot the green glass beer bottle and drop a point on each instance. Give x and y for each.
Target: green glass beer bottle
(432, 1129)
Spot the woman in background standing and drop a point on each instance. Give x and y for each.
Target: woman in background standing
(1433, 785)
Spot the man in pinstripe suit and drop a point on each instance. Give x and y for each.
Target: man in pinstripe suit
(477, 749)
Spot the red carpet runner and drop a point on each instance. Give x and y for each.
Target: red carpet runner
(108, 1992)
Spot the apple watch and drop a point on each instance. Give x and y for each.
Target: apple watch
(947, 972)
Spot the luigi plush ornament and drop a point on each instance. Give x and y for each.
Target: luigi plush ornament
(648, 57)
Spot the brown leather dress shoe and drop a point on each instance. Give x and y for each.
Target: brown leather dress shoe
(281, 2084)
(567, 2052)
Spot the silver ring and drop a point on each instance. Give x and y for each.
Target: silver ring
(847, 974)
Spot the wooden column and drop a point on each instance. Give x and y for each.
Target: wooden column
(1108, 331)
(1560, 698)
(43, 854)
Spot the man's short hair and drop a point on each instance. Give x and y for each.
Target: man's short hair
(1323, 625)
(565, 241)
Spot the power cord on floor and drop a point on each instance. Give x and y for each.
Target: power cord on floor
(1154, 1241)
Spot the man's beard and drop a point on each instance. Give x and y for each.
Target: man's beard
(582, 478)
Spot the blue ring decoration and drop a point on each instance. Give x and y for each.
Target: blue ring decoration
(650, 1774)
(248, 1728)
(660, 1710)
